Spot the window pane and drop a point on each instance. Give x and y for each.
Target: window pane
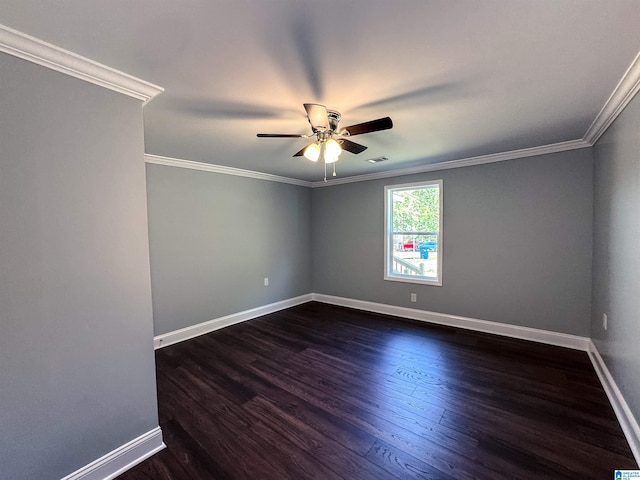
(415, 254)
(416, 210)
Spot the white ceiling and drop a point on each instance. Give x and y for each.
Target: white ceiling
(459, 78)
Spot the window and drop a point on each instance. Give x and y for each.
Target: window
(413, 232)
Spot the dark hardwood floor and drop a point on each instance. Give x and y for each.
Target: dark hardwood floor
(319, 391)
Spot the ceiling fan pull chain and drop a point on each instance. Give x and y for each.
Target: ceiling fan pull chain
(325, 172)
(334, 169)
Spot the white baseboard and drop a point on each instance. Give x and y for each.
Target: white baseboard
(122, 458)
(186, 333)
(625, 417)
(542, 336)
(536, 335)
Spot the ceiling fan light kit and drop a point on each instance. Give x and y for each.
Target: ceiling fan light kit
(332, 151)
(330, 142)
(312, 152)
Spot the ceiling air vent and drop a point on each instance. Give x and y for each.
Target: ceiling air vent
(377, 160)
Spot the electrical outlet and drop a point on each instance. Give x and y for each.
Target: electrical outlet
(266, 281)
(605, 321)
(414, 297)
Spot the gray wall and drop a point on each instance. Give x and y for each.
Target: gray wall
(213, 239)
(517, 243)
(76, 351)
(616, 253)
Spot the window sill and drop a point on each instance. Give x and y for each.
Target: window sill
(412, 279)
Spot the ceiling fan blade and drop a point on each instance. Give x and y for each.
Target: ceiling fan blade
(317, 115)
(352, 147)
(281, 135)
(301, 152)
(367, 127)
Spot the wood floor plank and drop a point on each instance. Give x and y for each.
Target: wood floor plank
(230, 441)
(326, 392)
(411, 438)
(347, 435)
(399, 463)
(326, 450)
(193, 459)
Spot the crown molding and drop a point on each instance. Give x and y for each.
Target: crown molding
(464, 162)
(50, 56)
(626, 89)
(208, 167)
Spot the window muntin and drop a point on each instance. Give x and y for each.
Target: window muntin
(413, 232)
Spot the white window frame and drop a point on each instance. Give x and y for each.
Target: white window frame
(388, 235)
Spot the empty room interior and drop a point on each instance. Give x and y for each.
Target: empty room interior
(339, 240)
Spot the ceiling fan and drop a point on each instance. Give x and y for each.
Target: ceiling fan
(330, 141)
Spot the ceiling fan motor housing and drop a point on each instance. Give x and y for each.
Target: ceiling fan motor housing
(334, 119)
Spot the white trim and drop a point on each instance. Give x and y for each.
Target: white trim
(186, 333)
(208, 167)
(47, 55)
(122, 458)
(625, 417)
(464, 162)
(626, 89)
(514, 331)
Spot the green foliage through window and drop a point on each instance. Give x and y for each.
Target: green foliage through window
(416, 210)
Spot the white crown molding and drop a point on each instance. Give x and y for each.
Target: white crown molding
(208, 167)
(122, 458)
(625, 417)
(209, 326)
(626, 89)
(464, 162)
(514, 331)
(47, 55)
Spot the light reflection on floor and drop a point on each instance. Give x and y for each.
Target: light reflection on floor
(413, 386)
